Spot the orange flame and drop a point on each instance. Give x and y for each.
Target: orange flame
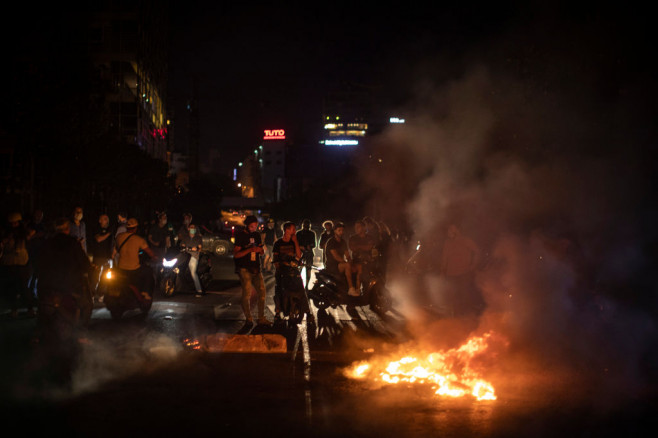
(449, 372)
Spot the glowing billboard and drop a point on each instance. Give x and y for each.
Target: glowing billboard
(341, 142)
(274, 134)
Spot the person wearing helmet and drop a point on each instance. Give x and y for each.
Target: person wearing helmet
(127, 247)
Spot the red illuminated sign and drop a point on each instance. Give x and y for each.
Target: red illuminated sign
(274, 134)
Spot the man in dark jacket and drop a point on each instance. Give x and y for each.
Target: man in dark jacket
(62, 289)
(306, 238)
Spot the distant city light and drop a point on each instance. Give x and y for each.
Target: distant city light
(330, 126)
(341, 142)
(396, 120)
(235, 174)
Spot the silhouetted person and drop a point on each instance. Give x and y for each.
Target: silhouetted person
(459, 259)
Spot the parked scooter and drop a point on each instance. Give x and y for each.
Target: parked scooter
(330, 290)
(174, 275)
(291, 291)
(121, 295)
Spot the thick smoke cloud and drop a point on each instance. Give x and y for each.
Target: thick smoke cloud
(540, 150)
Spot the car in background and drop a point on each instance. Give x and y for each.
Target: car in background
(218, 243)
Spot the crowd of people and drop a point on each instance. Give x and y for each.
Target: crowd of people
(257, 251)
(36, 256)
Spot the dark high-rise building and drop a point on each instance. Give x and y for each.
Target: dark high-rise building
(127, 42)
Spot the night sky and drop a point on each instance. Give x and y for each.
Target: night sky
(260, 67)
(263, 66)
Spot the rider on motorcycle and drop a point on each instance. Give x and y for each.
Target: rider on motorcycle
(192, 242)
(339, 260)
(285, 248)
(128, 245)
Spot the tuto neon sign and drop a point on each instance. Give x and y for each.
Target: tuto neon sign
(274, 134)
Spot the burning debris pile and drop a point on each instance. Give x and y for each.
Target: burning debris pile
(454, 372)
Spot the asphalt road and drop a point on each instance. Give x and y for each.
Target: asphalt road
(139, 377)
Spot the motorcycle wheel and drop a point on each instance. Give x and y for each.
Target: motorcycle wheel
(168, 287)
(380, 301)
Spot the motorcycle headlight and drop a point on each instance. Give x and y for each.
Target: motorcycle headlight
(169, 263)
(108, 275)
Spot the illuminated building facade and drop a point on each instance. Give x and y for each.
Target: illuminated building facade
(345, 117)
(128, 45)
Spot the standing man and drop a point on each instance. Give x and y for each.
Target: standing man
(327, 234)
(361, 246)
(79, 228)
(159, 236)
(246, 253)
(14, 267)
(122, 218)
(338, 258)
(63, 271)
(306, 239)
(286, 248)
(128, 245)
(182, 231)
(269, 237)
(192, 241)
(459, 260)
(101, 250)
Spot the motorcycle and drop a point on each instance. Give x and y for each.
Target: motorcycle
(122, 295)
(174, 275)
(291, 291)
(330, 290)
